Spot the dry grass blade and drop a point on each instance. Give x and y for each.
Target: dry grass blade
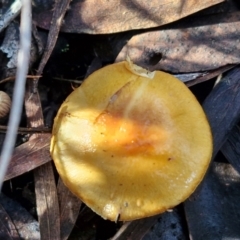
(60, 9)
(29, 156)
(45, 187)
(47, 202)
(19, 87)
(69, 206)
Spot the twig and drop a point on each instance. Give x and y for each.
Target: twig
(13, 78)
(24, 130)
(210, 75)
(19, 87)
(10, 14)
(68, 80)
(56, 23)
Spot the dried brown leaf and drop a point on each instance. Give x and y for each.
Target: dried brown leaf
(45, 187)
(213, 211)
(47, 202)
(231, 149)
(222, 107)
(199, 44)
(69, 206)
(94, 16)
(29, 156)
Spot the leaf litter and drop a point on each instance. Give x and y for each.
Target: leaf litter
(221, 28)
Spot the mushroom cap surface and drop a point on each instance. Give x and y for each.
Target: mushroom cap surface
(131, 145)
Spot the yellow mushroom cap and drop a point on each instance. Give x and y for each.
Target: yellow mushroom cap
(130, 143)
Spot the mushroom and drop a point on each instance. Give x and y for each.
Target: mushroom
(131, 143)
(5, 104)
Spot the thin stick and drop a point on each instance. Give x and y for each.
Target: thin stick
(10, 14)
(26, 130)
(13, 78)
(19, 88)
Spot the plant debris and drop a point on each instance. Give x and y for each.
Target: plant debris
(96, 17)
(202, 44)
(195, 40)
